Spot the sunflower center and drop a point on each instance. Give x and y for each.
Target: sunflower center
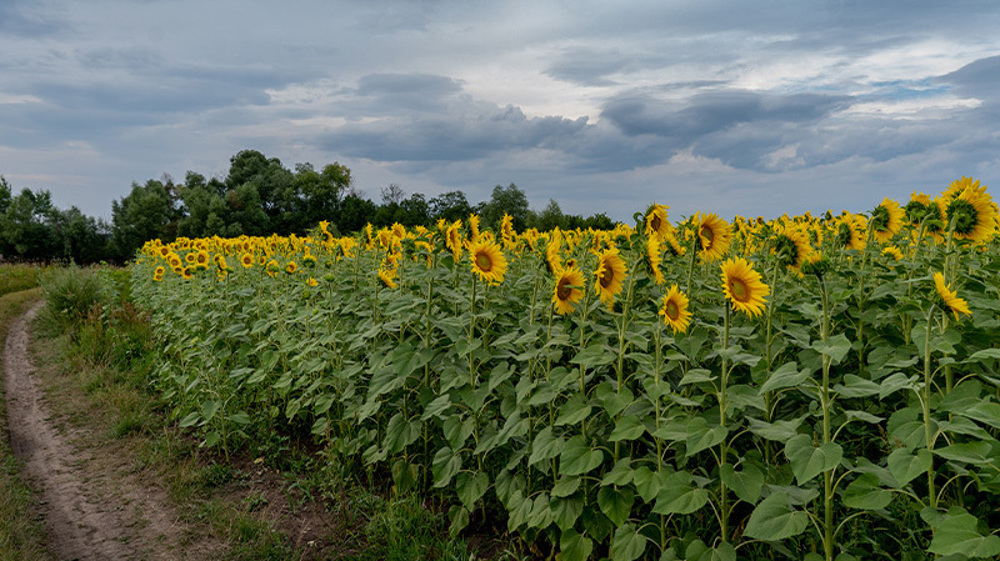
(607, 277)
(739, 290)
(484, 262)
(707, 235)
(672, 311)
(964, 214)
(563, 292)
(655, 223)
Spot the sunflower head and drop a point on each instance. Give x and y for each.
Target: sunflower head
(609, 275)
(488, 261)
(656, 221)
(387, 277)
(654, 256)
(714, 236)
(949, 299)
(887, 220)
(246, 260)
(674, 309)
(568, 289)
(291, 267)
(312, 282)
(743, 287)
(970, 214)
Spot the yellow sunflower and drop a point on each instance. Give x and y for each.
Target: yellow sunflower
(553, 257)
(950, 299)
(312, 282)
(893, 252)
(187, 273)
(291, 267)
(714, 236)
(610, 273)
(887, 220)
(387, 276)
(568, 289)
(743, 286)
(849, 231)
(654, 255)
(246, 260)
(158, 274)
(488, 261)
(656, 222)
(202, 259)
(453, 239)
(674, 310)
(970, 214)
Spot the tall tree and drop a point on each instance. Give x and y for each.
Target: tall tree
(451, 206)
(147, 212)
(510, 200)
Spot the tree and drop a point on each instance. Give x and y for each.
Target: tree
(451, 206)
(5, 194)
(550, 218)
(24, 225)
(392, 194)
(510, 200)
(354, 213)
(147, 212)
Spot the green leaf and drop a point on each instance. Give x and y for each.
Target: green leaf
(894, 383)
(628, 427)
(566, 511)
(400, 433)
(835, 347)
(698, 551)
(966, 452)
(628, 544)
(575, 547)
(190, 419)
(459, 517)
(779, 431)
(575, 410)
(470, 488)
(457, 430)
(958, 534)
(436, 407)
(697, 376)
(865, 493)
(621, 474)
(746, 483)
(616, 503)
(545, 446)
(577, 457)
(808, 461)
(856, 386)
(700, 436)
(566, 486)
(677, 495)
(986, 412)
(786, 376)
(540, 515)
(648, 482)
(905, 466)
(983, 355)
(595, 355)
(775, 519)
(209, 409)
(445, 464)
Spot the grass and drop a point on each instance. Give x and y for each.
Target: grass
(15, 278)
(21, 535)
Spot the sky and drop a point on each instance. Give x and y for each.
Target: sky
(746, 107)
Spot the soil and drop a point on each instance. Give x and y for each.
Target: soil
(93, 509)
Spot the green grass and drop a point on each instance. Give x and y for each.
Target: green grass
(21, 536)
(15, 278)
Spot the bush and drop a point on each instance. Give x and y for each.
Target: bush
(70, 295)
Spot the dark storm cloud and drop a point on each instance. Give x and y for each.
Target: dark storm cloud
(407, 92)
(445, 138)
(979, 79)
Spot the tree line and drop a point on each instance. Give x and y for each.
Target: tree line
(258, 197)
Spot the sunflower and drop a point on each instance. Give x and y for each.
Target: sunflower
(473, 230)
(950, 299)
(790, 244)
(187, 273)
(743, 287)
(272, 267)
(312, 282)
(291, 267)
(488, 261)
(189, 257)
(202, 259)
(848, 231)
(453, 239)
(893, 252)
(568, 289)
(388, 277)
(553, 257)
(714, 236)
(654, 255)
(174, 260)
(970, 214)
(158, 274)
(887, 220)
(220, 262)
(656, 222)
(674, 310)
(246, 260)
(610, 273)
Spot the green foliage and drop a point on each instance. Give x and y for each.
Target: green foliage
(71, 293)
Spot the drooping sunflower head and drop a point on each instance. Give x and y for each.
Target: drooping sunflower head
(949, 299)
(714, 236)
(568, 289)
(970, 215)
(656, 221)
(610, 273)
(453, 239)
(743, 287)
(674, 309)
(387, 277)
(553, 249)
(488, 261)
(473, 229)
(654, 256)
(887, 220)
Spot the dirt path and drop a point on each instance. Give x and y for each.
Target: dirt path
(92, 512)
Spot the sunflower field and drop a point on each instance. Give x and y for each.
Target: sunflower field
(798, 388)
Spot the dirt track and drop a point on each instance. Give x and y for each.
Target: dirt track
(92, 512)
